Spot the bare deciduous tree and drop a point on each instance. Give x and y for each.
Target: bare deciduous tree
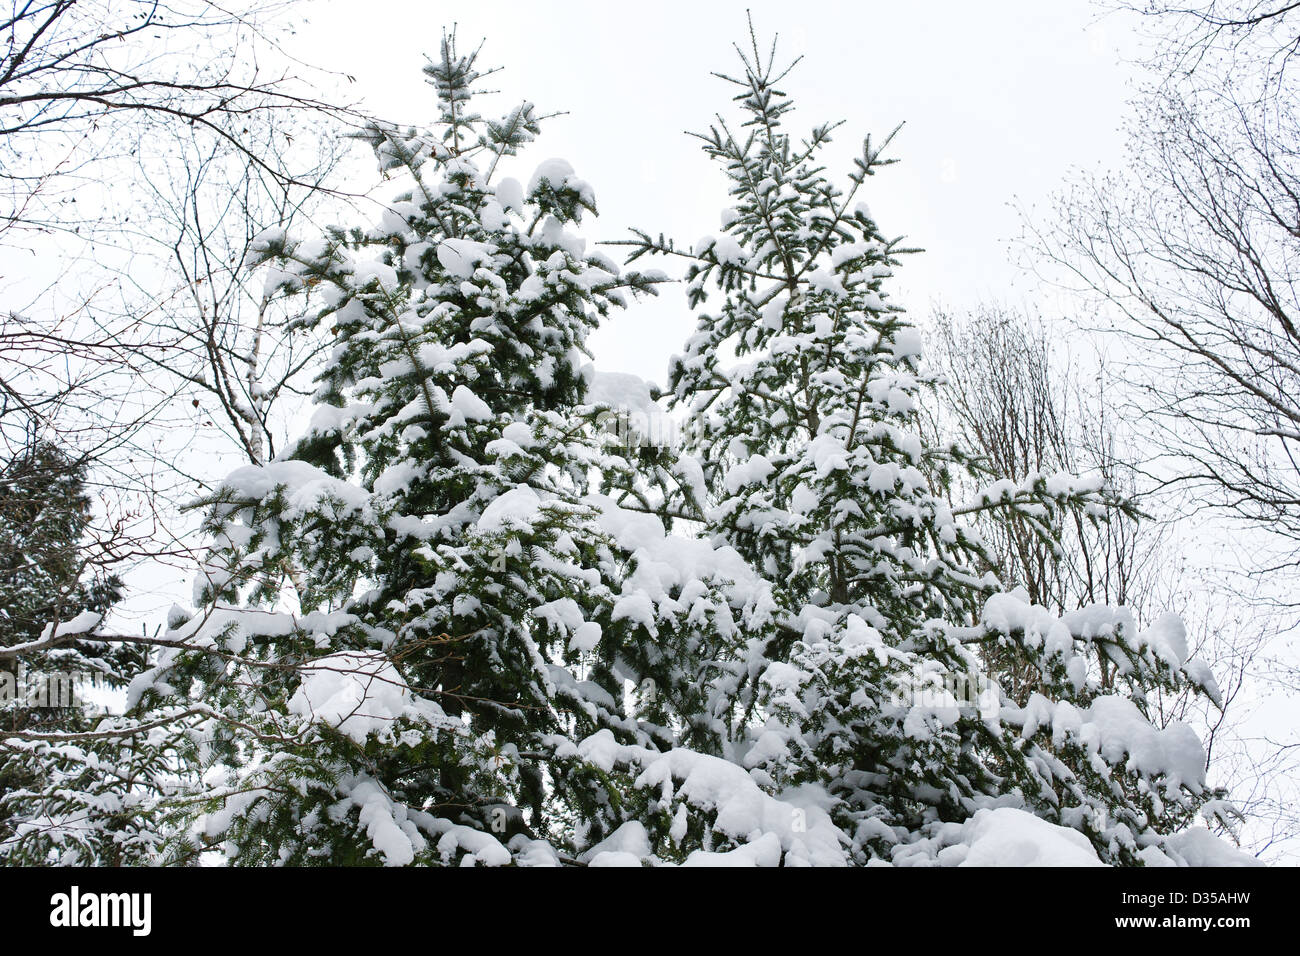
(233, 353)
(1194, 249)
(1261, 36)
(75, 73)
(1013, 398)
(123, 126)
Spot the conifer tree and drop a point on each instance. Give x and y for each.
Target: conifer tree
(405, 609)
(52, 592)
(47, 576)
(801, 388)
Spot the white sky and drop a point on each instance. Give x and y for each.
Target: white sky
(1000, 100)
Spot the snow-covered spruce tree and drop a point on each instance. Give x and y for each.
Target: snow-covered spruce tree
(411, 619)
(802, 453)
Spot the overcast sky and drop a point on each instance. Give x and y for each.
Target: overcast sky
(999, 101)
